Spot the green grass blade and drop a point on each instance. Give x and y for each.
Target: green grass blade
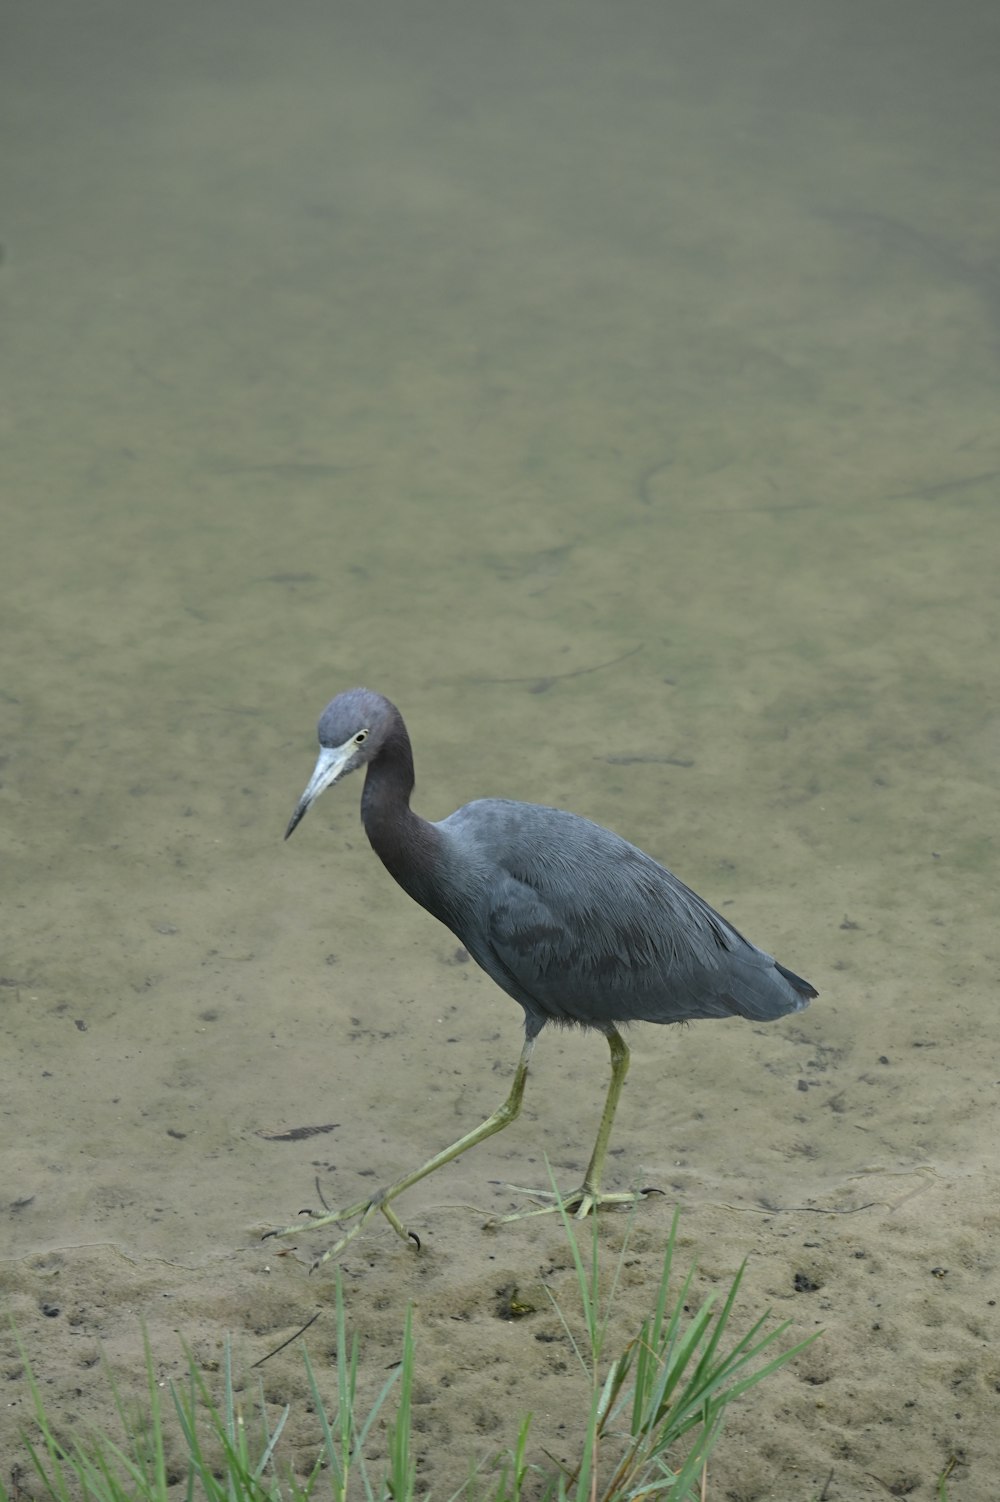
(402, 1467)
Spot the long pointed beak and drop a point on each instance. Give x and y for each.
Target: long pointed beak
(331, 764)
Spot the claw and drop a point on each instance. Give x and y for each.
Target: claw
(360, 1213)
(579, 1203)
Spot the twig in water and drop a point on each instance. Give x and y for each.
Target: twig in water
(288, 1342)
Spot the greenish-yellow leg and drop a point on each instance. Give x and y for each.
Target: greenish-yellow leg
(363, 1211)
(589, 1196)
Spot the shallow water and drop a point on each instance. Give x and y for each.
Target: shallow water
(617, 390)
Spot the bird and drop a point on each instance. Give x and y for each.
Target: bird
(580, 927)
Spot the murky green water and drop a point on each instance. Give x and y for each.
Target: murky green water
(615, 388)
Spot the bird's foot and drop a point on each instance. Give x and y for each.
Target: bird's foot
(361, 1214)
(579, 1203)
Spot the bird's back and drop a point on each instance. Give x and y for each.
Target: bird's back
(579, 926)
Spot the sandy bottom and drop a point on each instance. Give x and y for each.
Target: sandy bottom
(813, 1160)
(619, 396)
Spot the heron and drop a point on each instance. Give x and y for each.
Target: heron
(576, 924)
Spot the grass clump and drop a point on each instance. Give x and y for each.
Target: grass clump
(656, 1413)
(653, 1416)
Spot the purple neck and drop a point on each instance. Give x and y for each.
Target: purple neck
(406, 844)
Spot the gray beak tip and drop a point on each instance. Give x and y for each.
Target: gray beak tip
(296, 819)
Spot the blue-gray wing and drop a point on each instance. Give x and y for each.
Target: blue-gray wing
(580, 926)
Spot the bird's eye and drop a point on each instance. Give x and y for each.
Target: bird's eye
(361, 737)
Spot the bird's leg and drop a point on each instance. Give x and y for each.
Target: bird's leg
(590, 1194)
(363, 1211)
(587, 1198)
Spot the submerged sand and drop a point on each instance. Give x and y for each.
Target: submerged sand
(621, 400)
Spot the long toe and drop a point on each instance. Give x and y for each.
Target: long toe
(579, 1202)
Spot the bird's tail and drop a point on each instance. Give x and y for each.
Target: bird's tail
(805, 991)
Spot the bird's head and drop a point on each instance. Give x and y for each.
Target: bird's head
(353, 729)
